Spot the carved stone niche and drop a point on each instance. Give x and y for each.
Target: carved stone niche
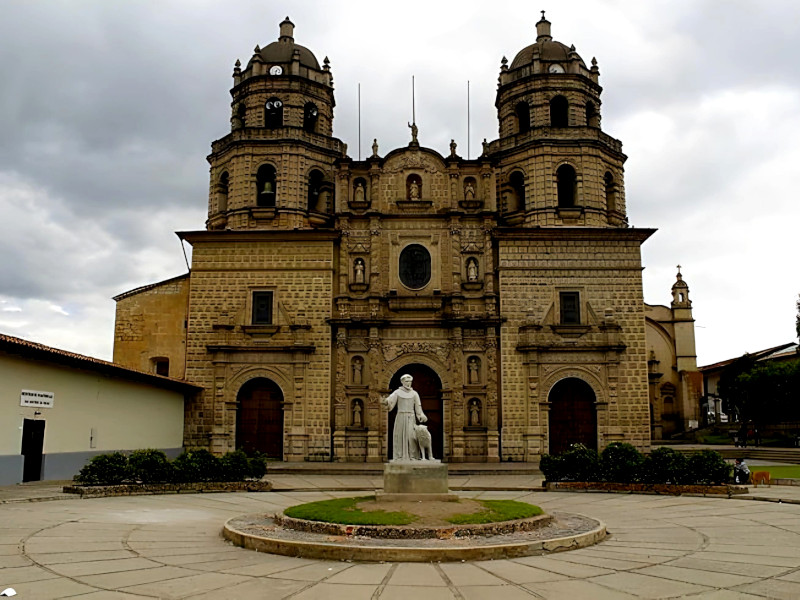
(470, 200)
(359, 274)
(472, 280)
(360, 194)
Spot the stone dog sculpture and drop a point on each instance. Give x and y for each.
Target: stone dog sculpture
(423, 437)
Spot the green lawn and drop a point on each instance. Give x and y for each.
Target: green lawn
(496, 511)
(345, 511)
(778, 471)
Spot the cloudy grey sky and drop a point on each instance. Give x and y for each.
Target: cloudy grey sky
(107, 111)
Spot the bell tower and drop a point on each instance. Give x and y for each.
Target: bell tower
(557, 167)
(274, 170)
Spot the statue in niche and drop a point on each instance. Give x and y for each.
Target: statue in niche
(409, 411)
(473, 367)
(472, 270)
(360, 193)
(413, 190)
(469, 190)
(358, 270)
(357, 414)
(358, 368)
(474, 414)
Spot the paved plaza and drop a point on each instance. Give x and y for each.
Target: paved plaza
(170, 547)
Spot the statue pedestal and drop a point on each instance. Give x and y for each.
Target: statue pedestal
(415, 480)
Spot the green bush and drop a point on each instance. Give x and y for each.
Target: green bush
(105, 469)
(258, 465)
(709, 468)
(550, 466)
(579, 463)
(665, 465)
(196, 465)
(234, 466)
(621, 463)
(150, 466)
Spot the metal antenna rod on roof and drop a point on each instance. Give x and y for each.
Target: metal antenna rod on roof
(467, 119)
(413, 102)
(359, 121)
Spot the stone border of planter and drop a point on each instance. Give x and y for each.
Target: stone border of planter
(268, 538)
(150, 489)
(411, 532)
(645, 488)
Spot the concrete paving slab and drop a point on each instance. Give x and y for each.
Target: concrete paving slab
(562, 567)
(13, 575)
(316, 571)
(717, 580)
(745, 558)
(184, 587)
(712, 566)
(52, 589)
(125, 579)
(576, 590)
(406, 592)
(483, 592)
(464, 574)
(513, 572)
(645, 586)
(270, 565)
(416, 574)
(772, 588)
(362, 574)
(98, 567)
(255, 588)
(56, 558)
(331, 591)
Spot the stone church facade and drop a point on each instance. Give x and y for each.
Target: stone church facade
(508, 285)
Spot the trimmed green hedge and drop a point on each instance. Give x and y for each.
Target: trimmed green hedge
(622, 463)
(153, 466)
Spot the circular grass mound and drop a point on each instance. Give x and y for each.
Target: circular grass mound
(365, 510)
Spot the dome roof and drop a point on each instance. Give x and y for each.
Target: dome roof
(283, 50)
(546, 48)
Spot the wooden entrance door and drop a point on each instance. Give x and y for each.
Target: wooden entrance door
(429, 387)
(32, 449)
(573, 416)
(259, 418)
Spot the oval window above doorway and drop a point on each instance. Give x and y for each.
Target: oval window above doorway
(415, 266)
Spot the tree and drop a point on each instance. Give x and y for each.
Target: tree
(735, 396)
(797, 321)
(762, 392)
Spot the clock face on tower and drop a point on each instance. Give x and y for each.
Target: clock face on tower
(556, 69)
(276, 70)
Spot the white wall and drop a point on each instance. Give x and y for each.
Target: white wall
(124, 415)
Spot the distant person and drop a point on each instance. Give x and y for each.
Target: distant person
(741, 472)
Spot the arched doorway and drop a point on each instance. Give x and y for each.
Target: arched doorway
(259, 418)
(429, 387)
(573, 416)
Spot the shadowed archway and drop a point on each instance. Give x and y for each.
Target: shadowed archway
(573, 416)
(259, 418)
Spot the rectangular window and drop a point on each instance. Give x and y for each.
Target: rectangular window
(570, 308)
(262, 308)
(162, 366)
